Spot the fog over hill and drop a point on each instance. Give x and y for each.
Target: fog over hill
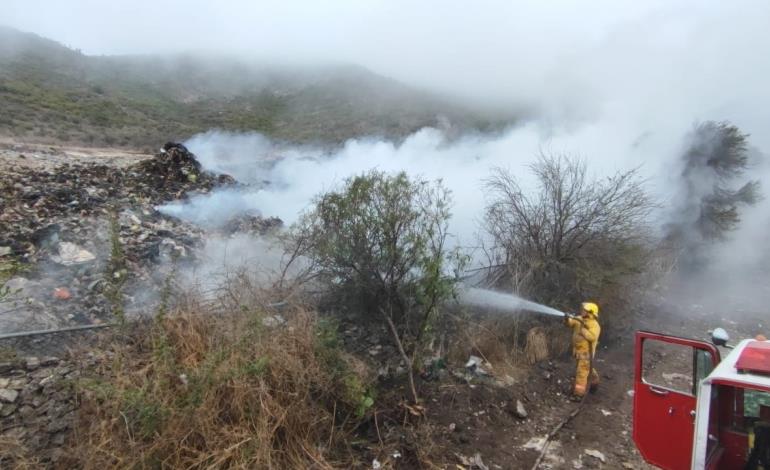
(51, 92)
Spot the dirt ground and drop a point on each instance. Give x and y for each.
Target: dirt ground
(483, 420)
(15, 153)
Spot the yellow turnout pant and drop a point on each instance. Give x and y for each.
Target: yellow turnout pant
(584, 369)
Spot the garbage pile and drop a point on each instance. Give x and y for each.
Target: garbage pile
(175, 168)
(59, 228)
(252, 224)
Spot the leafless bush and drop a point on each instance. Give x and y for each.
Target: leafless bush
(575, 237)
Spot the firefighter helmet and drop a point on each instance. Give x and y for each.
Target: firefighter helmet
(591, 308)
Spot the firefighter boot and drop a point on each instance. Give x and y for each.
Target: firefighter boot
(594, 381)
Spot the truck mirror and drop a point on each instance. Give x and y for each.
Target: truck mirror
(720, 337)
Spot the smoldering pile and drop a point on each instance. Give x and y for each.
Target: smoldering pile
(58, 229)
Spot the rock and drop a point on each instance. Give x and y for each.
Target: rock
(521, 412)
(71, 254)
(16, 284)
(31, 363)
(48, 361)
(595, 454)
(6, 367)
(58, 439)
(8, 395)
(57, 425)
(47, 380)
(5, 250)
(7, 410)
(17, 384)
(26, 411)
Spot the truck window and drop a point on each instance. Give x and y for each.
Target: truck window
(669, 365)
(749, 407)
(753, 401)
(703, 365)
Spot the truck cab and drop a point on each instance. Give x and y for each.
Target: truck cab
(694, 410)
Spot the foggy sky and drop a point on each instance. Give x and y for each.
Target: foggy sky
(569, 61)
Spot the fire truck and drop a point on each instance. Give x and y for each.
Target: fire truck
(711, 413)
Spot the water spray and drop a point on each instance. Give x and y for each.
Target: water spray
(511, 303)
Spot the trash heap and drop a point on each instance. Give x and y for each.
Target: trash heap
(251, 224)
(59, 229)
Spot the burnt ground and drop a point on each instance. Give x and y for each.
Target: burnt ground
(471, 421)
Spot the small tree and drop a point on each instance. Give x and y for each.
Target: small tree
(573, 237)
(711, 192)
(380, 243)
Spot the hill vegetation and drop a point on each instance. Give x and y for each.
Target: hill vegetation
(50, 92)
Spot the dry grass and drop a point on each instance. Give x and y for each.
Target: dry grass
(13, 454)
(194, 390)
(510, 344)
(536, 349)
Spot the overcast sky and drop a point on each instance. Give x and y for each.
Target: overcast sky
(569, 59)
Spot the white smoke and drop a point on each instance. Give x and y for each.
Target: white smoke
(285, 180)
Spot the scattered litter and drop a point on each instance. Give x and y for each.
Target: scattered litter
(595, 454)
(396, 455)
(474, 365)
(676, 376)
(536, 443)
(577, 464)
(477, 462)
(272, 321)
(473, 362)
(606, 413)
(61, 293)
(376, 465)
(630, 393)
(70, 253)
(521, 412)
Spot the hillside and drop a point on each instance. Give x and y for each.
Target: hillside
(49, 92)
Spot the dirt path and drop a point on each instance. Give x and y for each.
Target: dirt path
(13, 153)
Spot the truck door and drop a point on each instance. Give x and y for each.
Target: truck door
(667, 370)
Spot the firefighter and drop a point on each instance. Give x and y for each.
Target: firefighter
(585, 337)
